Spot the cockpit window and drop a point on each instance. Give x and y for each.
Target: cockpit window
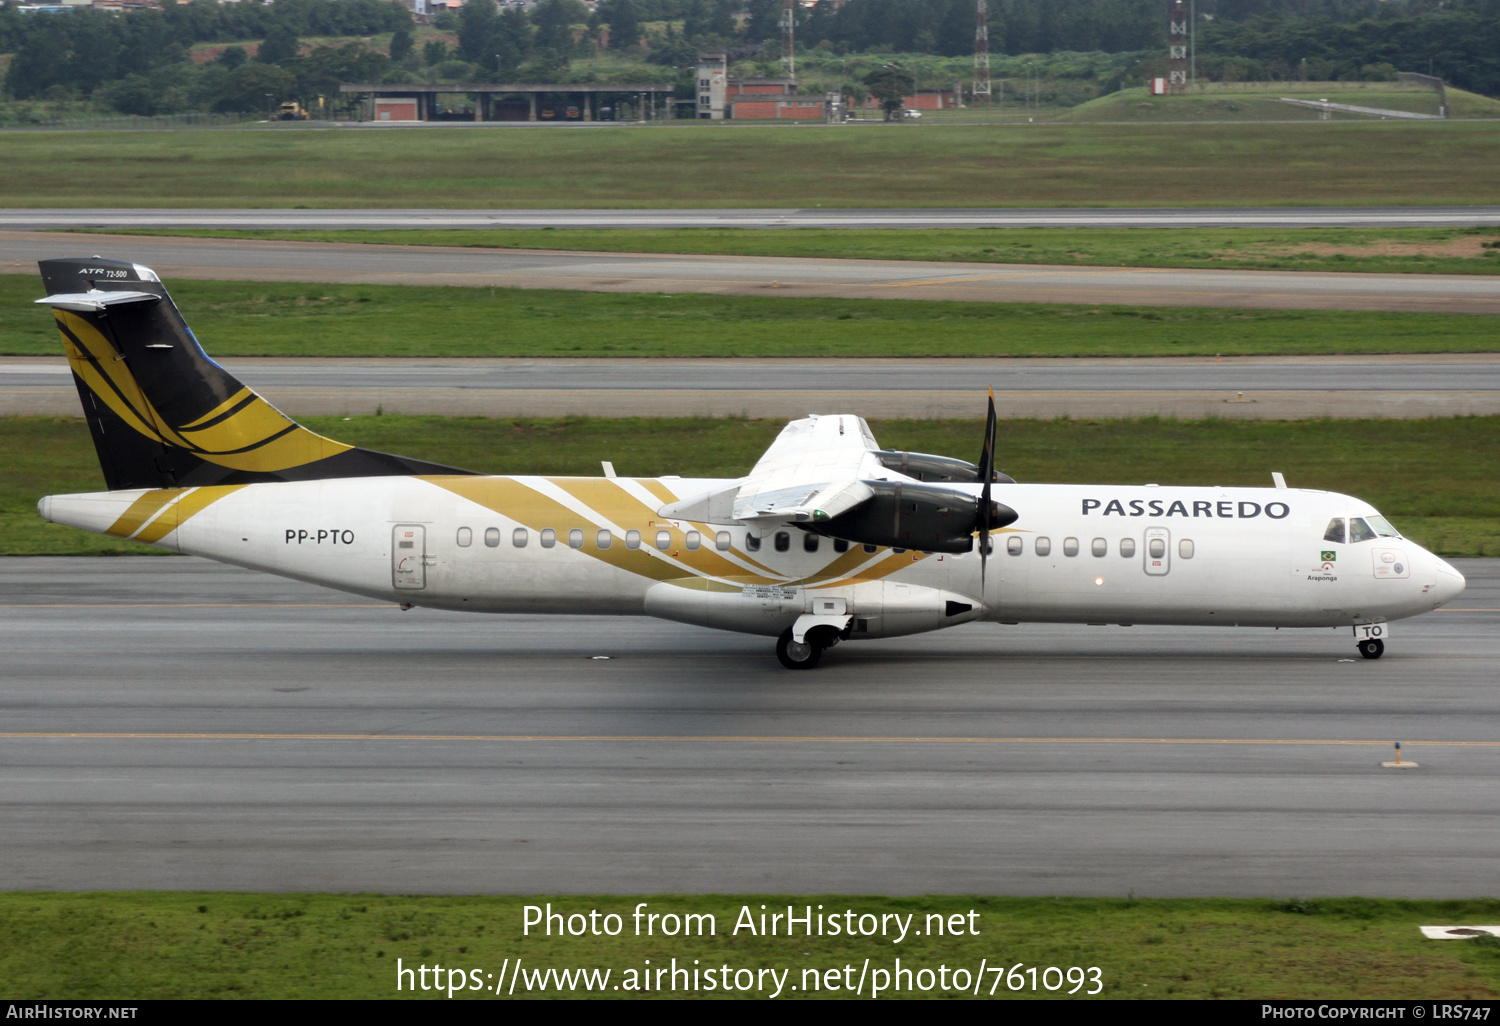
(1335, 532)
(1359, 530)
(1383, 527)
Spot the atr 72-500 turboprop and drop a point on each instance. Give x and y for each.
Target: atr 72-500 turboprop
(829, 538)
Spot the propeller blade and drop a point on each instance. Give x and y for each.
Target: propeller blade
(987, 474)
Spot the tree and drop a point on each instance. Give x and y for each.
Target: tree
(256, 87)
(434, 51)
(232, 57)
(280, 45)
(624, 23)
(891, 85)
(478, 32)
(402, 43)
(554, 21)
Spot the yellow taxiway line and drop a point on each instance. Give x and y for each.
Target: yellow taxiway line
(720, 738)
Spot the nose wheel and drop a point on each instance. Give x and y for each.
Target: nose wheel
(1372, 648)
(797, 655)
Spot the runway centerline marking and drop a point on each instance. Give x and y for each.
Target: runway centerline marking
(716, 738)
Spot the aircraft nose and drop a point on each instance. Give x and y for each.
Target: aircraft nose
(1449, 582)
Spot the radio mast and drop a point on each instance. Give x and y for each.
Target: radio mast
(788, 61)
(981, 53)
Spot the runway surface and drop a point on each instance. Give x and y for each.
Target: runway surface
(1240, 387)
(1069, 217)
(252, 260)
(173, 724)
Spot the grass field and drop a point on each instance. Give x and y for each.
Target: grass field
(733, 165)
(1423, 475)
(290, 319)
(245, 945)
(1368, 250)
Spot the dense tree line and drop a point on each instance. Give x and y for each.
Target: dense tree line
(82, 51)
(138, 62)
(1461, 46)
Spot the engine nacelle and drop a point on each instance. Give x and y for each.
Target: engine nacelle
(926, 467)
(913, 516)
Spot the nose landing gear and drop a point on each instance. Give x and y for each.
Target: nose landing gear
(1371, 648)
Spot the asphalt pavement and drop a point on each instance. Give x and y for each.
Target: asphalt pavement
(1238, 387)
(170, 723)
(260, 260)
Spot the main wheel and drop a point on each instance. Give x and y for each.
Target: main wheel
(1373, 648)
(797, 655)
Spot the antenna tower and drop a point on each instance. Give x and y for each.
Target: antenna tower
(981, 53)
(788, 61)
(1177, 43)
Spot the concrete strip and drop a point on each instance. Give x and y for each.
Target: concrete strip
(252, 260)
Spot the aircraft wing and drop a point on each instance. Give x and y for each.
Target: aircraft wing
(813, 471)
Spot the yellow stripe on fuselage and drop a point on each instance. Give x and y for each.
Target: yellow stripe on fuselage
(611, 506)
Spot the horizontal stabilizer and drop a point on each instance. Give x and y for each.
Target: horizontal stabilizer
(96, 301)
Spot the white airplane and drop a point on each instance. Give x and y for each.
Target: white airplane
(829, 538)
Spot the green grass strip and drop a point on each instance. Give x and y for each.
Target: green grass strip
(734, 165)
(296, 319)
(1365, 250)
(144, 945)
(1423, 474)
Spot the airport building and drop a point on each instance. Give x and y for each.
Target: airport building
(530, 101)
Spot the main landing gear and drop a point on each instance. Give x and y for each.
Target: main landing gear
(798, 655)
(1371, 648)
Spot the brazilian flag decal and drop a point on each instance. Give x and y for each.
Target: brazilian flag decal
(1329, 555)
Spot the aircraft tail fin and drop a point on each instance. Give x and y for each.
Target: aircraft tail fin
(164, 415)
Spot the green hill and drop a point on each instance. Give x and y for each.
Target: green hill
(1261, 101)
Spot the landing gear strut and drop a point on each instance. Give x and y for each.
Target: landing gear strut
(798, 655)
(1372, 648)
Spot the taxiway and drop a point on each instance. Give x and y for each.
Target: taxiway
(170, 723)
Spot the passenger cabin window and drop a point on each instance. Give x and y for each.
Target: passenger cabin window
(783, 541)
(694, 539)
(809, 542)
(1044, 546)
(1359, 530)
(1335, 532)
(869, 548)
(1070, 546)
(1100, 547)
(575, 538)
(840, 545)
(1127, 547)
(898, 551)
(752, 543)
(517, 537)
(549, 537)
(664, 540)
(465, 537)
(603, 539)
(1014, 545)
(632, 539)
(1185, 548)
(1157, 547)
(722, 541)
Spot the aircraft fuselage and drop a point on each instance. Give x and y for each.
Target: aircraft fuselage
(1078, 553)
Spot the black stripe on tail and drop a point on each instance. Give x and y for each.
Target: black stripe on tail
(164, 415)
